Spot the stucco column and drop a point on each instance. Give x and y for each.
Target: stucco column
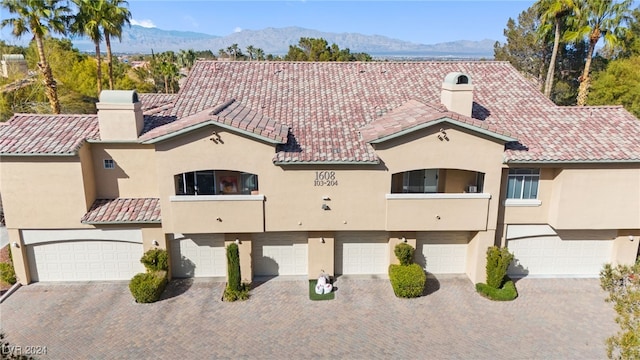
(19, 256)
(396, 238)
(244, 250)
(477, 255)
(321, 246)
(625, 247)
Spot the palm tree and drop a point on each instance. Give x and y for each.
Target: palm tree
(186, 58)
(552, 14)
(116, 16)
(251, 50)
(89, 21)
(259, 54)
(39, 17)
(599, 18)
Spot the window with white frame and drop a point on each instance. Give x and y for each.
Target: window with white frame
(523, 184)
(109, 164)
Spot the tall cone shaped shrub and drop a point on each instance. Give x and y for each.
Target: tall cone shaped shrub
(233, 267)
(498, 260)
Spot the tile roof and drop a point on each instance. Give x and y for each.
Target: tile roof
(34, 134)
(414, 114)
(156, 103)
(326, 104)
(118, 211)
(231, 113)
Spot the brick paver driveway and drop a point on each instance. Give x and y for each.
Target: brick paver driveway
(552, 319)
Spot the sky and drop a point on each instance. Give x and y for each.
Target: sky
(425, 22)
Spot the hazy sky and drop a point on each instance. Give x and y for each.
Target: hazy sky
(424, 22)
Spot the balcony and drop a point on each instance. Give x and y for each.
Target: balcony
(217, 213)
(437, 211)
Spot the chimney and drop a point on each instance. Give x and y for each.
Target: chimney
(457, 93)
(119, 115)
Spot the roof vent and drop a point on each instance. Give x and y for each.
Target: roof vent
(457, 93)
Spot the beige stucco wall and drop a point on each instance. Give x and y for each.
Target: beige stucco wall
(43, 192)
(431, 214)
(19, 257)
(215, 216)
(88, 178)
(134, 175)
(625, 247)
(321, 250)
(531, 214)
(477, 255)
(456, 181)
(587, 198)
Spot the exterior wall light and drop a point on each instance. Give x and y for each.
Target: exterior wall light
(322, 240)
(155, 243)
(16, 245)
(237, 241)
(630, 237)
(404, 239)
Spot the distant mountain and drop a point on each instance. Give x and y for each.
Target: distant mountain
(138, 39)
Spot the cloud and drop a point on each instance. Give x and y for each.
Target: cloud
(144, 23)
(237, 29)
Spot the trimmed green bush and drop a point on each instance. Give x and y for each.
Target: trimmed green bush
(147, 287)
(404, 253)
(7, 273)
(498, 260)
(506, 293)
(234, 295)
(155, 260)
(233, 267)
(407, 280)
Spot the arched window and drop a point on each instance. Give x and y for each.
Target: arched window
(215, 182)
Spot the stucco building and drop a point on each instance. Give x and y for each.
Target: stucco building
(315, 167)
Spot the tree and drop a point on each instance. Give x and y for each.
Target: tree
(115, 17)
(524, 48)
(552, 14)
(311, 49)
(619, 84)
(622, 282)
(40, 17)
(251, 50)
(186, 58)
(89, 21)
(598, 19)
(259, 54)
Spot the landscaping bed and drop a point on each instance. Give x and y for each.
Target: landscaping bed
(4, 258)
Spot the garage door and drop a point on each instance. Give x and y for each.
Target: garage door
(280, 254)
(362, 253)
(570, 254)
(442, 252)
(198, 255)
(84, 260)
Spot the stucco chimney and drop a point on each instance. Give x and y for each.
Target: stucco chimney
(119, 115)
(457, 93)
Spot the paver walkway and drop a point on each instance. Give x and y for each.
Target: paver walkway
(552, 319)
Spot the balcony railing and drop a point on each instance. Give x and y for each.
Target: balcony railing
(217, 213)
(439, 211)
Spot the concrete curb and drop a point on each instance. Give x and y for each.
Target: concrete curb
(10, 291)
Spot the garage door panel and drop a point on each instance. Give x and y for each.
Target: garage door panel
(198, 255)
(84, 260)
(361, 253)
(280, 254)
(553, 256)
(442, 252)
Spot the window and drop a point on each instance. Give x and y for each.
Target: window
(416, 181)
(523, 183)
(215, 182)
(109, 164)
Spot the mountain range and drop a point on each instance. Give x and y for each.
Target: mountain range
(138, 39)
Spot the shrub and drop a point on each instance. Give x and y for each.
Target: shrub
(498, 260)
(155, 260)
(506, 293)
(234, 295)
(407, 280)
(7, 273)
(404, 253)
(147, 287)
(233, 267)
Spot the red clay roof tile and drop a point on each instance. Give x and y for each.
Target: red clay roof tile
(106, 211)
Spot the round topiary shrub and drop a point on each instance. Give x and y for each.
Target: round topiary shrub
(147, 287)
(155, 260)
(404, 253)
(408, 281)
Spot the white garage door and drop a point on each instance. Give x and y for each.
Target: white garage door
(198, 255)
(442, 252)
(553, 256)
(362, 253)
(280, 254)
(84, 260)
